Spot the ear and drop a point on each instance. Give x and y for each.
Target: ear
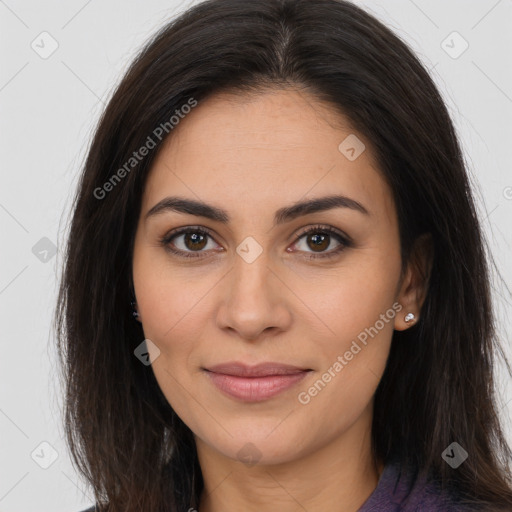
(414, 284)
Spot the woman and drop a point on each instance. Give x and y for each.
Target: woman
(276, 294)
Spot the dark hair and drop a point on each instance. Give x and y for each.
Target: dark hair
(438, 385)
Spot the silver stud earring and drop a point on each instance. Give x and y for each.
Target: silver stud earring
(135, 313)
(409, 317)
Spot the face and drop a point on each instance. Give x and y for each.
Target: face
(250, 285)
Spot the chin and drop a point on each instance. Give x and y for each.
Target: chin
(259, 442)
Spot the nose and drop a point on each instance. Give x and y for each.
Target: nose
(253, 300)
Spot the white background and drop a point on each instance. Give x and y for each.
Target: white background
(48, 108)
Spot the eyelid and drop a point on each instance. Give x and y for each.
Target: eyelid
(324, 228)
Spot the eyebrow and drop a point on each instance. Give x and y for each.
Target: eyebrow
(286, 214)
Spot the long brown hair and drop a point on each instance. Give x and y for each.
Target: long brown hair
(438, 386)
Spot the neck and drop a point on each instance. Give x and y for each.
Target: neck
(339, 475)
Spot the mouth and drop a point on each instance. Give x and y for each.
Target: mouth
(254, 383)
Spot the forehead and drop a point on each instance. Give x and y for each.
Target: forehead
(276, 146)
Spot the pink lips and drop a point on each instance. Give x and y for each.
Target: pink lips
(254, 383)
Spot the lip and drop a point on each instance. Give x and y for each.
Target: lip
(254, 383)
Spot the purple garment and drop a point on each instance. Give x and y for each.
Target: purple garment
(398, 491)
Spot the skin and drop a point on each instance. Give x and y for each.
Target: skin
(252, 155)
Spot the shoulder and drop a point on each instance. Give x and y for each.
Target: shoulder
(91, 509)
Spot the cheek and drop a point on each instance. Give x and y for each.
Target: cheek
(170, 308)
(173, 321)
(353, 361)
(352, 298)
(357, 310)
(169, 301)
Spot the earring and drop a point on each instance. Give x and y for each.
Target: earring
(409, 317)
(135, 313)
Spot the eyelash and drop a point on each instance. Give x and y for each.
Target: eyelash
(343, 240)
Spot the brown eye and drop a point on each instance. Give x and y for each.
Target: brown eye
(194, 241)
(318, 239)
(188, 242)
